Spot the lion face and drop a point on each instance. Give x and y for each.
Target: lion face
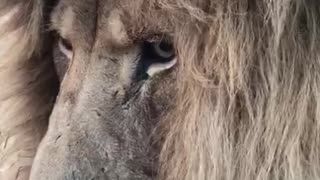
(160, 89)
(116, 86)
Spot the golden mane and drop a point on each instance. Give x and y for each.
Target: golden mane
(26, 86)
(248, 101)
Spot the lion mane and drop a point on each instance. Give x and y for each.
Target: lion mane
(248, 99)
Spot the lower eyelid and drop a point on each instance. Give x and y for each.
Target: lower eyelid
(65, 51)
(158, 67)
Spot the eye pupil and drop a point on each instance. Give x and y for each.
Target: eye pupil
(66, 44)
(166, 47)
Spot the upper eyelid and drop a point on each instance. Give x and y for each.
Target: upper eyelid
(57, 31)
(155, 38)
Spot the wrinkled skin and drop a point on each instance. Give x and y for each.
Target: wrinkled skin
(108, 107)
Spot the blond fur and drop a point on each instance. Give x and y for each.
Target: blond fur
(248, 92)
(248, 102)
(24, 94)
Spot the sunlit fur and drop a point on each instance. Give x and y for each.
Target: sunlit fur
(25, 86)
(248, 90)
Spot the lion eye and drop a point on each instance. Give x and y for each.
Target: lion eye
(66, 47)
(158, 56)
(163, 49)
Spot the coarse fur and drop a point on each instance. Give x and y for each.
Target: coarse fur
(27, 84)
(247, 88)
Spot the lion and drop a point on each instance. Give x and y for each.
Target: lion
(160, 89)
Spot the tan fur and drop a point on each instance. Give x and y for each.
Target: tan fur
(117, 31)
(24, 104)
(248, 100)
(248, 93)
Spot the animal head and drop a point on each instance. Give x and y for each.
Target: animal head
(115, 88)
(159, 89)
